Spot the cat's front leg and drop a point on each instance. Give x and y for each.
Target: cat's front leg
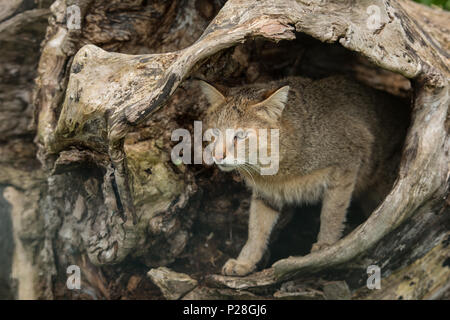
(261, 222)
(334, 208)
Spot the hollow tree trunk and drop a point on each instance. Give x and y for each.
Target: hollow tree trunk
(85, 169)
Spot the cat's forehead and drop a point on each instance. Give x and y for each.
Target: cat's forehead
(246, 95)
(227, 116)
(238, 103)
(237, 109)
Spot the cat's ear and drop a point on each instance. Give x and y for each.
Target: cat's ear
(212, 94)
(272, 107)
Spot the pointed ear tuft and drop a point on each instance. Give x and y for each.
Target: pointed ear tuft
(273, 106)
(212, 94)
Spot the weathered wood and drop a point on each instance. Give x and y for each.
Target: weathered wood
(116, 87)
(103, 118)
(22, 28)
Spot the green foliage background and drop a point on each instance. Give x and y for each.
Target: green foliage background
(440, 3)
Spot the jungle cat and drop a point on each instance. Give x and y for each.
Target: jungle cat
(337, 138)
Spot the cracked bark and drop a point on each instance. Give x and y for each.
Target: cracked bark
(105, 196)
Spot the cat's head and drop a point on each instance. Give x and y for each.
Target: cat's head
(242, 116)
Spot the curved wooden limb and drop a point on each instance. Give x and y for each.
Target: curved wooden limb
(108, 94)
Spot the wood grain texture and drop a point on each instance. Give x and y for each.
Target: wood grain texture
(90, 103)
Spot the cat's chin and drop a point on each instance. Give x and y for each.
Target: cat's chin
(226, 168)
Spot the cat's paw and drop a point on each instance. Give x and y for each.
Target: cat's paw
(319, 246)
(234, 267)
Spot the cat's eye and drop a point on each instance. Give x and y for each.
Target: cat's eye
(216, 132)
(241, 134)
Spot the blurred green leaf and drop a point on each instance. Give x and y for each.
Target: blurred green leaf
(440, 3)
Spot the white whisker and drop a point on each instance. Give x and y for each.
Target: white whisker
(249, 173)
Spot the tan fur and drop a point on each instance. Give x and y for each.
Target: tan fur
(337, 139)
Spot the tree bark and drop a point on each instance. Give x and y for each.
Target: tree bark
(85, 167)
